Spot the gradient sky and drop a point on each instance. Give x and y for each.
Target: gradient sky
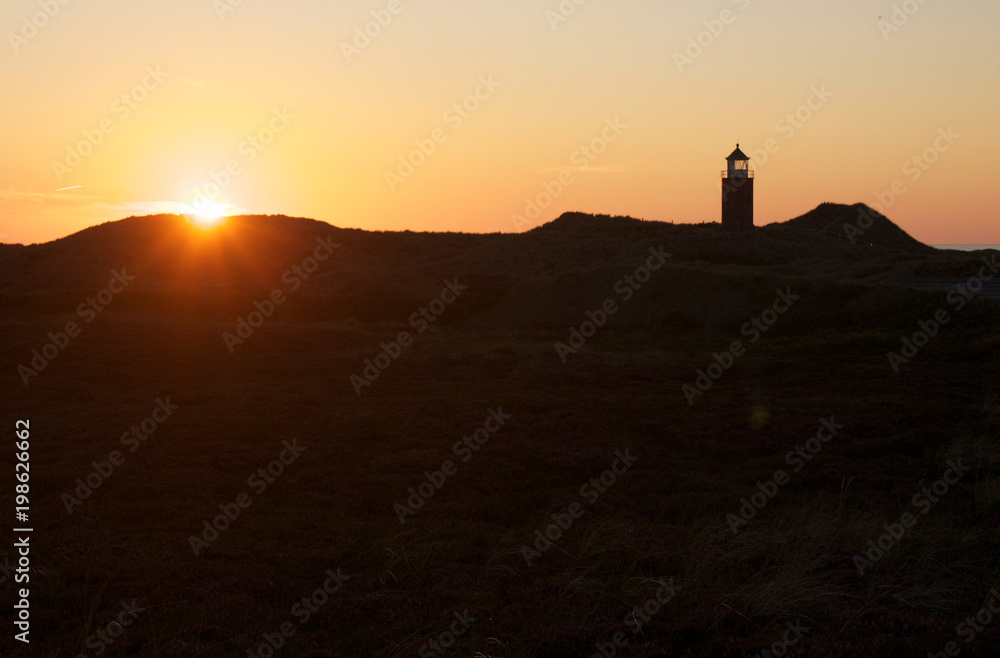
(227, 72)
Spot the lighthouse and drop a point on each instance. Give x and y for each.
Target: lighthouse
(737, 193)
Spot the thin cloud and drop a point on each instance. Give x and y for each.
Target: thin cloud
(141, 207)
(9, 194)
(160, 208)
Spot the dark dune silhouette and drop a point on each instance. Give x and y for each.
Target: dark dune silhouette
(692, 360)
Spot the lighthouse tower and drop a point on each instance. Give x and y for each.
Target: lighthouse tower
(737, 193)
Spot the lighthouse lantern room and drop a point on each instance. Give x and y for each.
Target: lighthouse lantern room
(737, 193)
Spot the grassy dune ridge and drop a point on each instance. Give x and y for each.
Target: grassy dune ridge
(662, 522)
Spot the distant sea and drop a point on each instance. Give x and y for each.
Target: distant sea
(966, 247)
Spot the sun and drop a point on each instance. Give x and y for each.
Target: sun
(208, 214)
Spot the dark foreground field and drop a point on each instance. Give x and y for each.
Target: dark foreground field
(878, 537)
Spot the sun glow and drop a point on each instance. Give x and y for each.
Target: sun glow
(208, 213)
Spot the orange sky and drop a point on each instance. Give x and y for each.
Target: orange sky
(174, 93)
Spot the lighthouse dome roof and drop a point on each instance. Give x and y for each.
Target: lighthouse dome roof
(737, 154)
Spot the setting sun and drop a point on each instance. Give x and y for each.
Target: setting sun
(208, 214)
(205, 222)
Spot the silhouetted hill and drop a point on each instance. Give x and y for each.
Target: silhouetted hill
(382, 407)
(858, 224)
(545, 277)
